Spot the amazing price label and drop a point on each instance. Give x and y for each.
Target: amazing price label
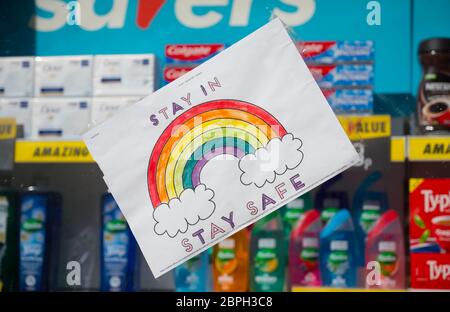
(52, 152)
(427, 148)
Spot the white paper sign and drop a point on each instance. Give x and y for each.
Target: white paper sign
(214, 151)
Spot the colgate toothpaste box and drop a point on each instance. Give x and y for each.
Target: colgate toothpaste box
(355, 101)
(191, 53)
(174, 72)
(329, 52)
(429, 201)
(343, 75)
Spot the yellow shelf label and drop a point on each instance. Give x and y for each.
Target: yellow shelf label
(52, 152)
(366, 127)
(429, 148)
(7, 128)
(398, 149)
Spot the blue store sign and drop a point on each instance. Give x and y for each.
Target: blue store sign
(142, 26)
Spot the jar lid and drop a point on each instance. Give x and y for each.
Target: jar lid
(434, 44)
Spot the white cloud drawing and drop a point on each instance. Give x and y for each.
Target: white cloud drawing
(278, 156)
(192, 206)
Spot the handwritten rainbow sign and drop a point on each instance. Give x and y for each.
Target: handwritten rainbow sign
(203, 132)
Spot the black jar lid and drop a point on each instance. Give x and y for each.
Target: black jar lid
(441, 45)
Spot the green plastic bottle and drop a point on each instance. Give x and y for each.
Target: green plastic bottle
(9, 233)
(294, 210)
(268, 254)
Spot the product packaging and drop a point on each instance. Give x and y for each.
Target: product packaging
(332, 52)
(385, 247)
(119, 270)
(9, 236)
(268, 254)
(330, 202)
(174, 72)
(63, 76)
(343, 75)
(429, 233)
(16, 76)
(230, 263)
(124, 74)
(304, 251)
(193, 275)
(59, 117)
(106, 107)
(350, 101)
(293, 211)
(367, 208)
(39, 224)
(191, 53)
(338, 252)
(20, 110)
(194, 142)
(433, 100)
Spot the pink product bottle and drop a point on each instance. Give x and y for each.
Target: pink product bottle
(386, 253)
(304, 251)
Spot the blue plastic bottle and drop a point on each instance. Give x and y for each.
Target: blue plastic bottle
(328, 201)
(193, 275)
(337, 252)
(119, 268)
(367, 208)
(39, 223)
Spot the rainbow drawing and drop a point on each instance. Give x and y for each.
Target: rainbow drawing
(203, 132)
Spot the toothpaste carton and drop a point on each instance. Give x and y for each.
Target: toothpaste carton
(63, 76)
(132, 74)
(105, 107)
(60, 117)
(329, 52)
(20, 109)
(16, 76)
(191, 53)
(343, 75)
(350, 100)
(174, 72)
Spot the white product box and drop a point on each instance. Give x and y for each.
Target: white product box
(132, 74)
(16, 76)
(105, 107)
(60, 117)
(63, 76)
(20, 109)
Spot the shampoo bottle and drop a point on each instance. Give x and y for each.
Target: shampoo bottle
(39, 223)
(9, 234)
(337, 252)
(118, 257)
(267, 254)
(294, 210)
(230, 263)
(367, 207)
(193, 275)
(385, 253)
(304, 251)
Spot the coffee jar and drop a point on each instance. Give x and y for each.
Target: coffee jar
(433, 105)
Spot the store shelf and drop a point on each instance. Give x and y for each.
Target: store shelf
(331, 289)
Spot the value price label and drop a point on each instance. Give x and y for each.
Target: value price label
(366, 127)
(7, 128)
